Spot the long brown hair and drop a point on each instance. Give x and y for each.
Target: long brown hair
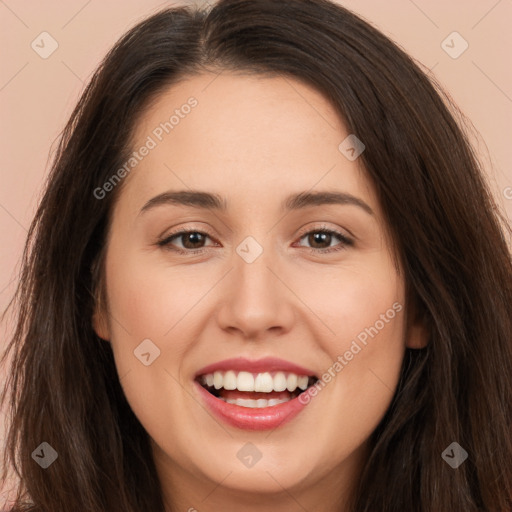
(63, 387)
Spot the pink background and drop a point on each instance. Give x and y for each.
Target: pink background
(37, 95)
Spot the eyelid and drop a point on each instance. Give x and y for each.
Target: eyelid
(324, 228)
(345, 240)
(164, 241)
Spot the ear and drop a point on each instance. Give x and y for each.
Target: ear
(100, 323)
(100, 315)
(417, 334)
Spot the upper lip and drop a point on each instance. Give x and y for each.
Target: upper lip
(266, 364)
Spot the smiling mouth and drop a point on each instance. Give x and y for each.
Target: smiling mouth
(255, 390)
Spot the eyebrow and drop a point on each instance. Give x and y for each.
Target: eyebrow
(206, 200)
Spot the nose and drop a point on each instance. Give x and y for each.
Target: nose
(258, 302)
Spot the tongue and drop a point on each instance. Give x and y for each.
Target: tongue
(234, 394)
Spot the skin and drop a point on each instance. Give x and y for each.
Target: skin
(254, 140)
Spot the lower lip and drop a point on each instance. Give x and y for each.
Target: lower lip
(247, 418)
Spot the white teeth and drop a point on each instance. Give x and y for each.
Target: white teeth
(264, 383)
(245, 381)
(230, 380)
(279, 381)
(291, 382)
(244, 402)
(302, 382)
(255, 404)
(218, 380)
(260, 382)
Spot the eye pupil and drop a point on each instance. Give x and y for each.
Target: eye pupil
(319, 237)
(193, 238)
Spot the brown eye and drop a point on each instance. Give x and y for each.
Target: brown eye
(190, 241)
(320, 240)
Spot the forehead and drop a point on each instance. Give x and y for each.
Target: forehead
(243, 136)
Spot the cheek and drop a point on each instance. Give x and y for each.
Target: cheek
(150, 301)
(371, 360)
(354, 299)
(146, 304)
(364, 311)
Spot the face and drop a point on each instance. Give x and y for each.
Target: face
(269, 290)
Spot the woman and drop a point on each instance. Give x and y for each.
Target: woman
(186, 341)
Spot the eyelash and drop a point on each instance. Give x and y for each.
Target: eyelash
(345, 241)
